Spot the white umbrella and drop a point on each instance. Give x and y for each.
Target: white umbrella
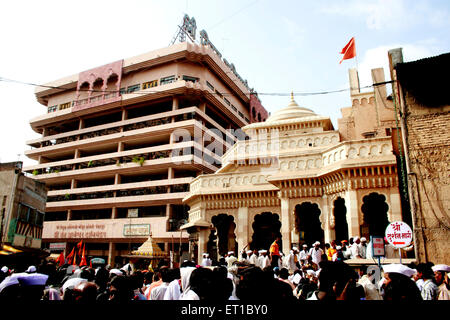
(71, 283)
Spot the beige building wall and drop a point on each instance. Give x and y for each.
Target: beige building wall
(426, 132)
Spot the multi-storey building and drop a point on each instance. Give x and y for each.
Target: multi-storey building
(22, 209)
(121, 143)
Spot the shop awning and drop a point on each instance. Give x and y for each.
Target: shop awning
(198, 223)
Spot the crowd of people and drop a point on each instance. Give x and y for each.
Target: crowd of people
(316, 273)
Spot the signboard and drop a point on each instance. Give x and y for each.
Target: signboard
(399, 234)
(377, 246)
(136, 230)
(57, 246)
(133, 213)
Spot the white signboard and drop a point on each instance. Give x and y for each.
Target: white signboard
(399, 234)
(377, 247)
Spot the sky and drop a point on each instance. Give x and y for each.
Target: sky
(278, 46)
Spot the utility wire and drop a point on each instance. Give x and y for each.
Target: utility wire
(221, 93)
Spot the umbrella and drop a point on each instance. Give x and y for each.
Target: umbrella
(24, 279)
(72, 283)
(32, 279)
(9, 281)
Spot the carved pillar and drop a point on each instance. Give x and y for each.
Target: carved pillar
(395, 212)
(285, 225)
(328, 220)
(242, 234)
(351, 200)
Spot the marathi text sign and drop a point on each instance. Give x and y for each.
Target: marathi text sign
(136, 230)
(399, 234)
(377, 247)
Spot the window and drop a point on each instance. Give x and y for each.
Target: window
(210, 85)
(192, 79)
(133, 88)
(64, 105)
(122, 90)
(246, 119)
(388, 132)
(219, 94)
(167, 80)
(52, 108)
(150, 84)
(234, 108)
(227, 101)
(241, 114)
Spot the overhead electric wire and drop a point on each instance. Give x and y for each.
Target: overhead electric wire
(221, 93)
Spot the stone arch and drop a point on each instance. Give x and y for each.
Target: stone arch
(375, 215)
(225, 240)
(340, 219)
(266, 227)
(112, 84)
(308, 223)
(83, 90)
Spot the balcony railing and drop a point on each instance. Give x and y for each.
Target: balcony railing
(121, 193)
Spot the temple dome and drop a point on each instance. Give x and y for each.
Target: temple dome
(292, 111)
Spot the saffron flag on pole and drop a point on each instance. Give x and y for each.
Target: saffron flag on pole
(61, 259)
(349, 51)
(83, 257)
(80, 247)
(70, 256)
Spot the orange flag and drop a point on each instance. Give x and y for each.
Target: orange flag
(349, 51)
(61, 259)
(83, 258)
(71, 256)
(79, 246)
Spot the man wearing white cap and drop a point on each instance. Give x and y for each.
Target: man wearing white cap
(206, 261)
(362, 248)
(292, 260)
(397, 284)
(263, 259)
(230, 259)
(354, 249)
(303, 255)
(441, 278)
(254, 258)
(249, 255)
(316, 253)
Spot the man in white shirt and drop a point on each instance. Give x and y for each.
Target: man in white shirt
(263, 259)
(362, 248)
(249, 255)
(292, 260)
(230, 259)
(158, 292)
(303, 255)
(206, 260)
(316, 253)
(354, 249)
(254, 258)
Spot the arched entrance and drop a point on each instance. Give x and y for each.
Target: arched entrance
(340, 219)
(226, 238)
(375, 219)
(266, 227)
(307, 223)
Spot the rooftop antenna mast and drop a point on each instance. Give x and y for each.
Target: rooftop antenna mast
(188, 28)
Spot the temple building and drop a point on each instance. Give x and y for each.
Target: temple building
(299, 178)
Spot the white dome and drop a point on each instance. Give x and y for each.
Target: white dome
(292, 111)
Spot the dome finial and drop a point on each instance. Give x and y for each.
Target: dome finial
(292, 95)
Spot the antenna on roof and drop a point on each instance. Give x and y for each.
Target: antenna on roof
(187, 28)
